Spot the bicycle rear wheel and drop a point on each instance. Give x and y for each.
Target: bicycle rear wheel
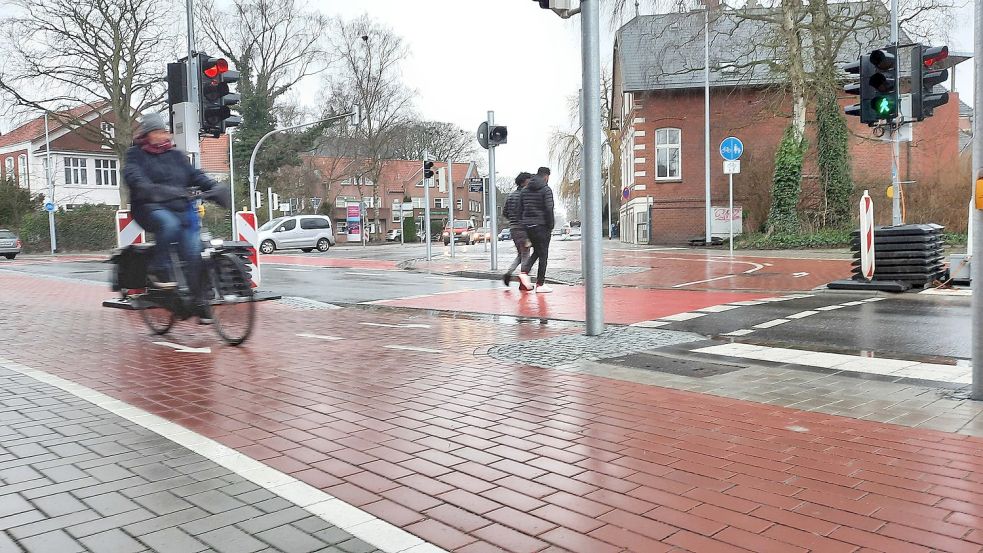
(231, 298)
(158, 319)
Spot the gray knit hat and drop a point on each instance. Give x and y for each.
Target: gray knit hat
(150, 122)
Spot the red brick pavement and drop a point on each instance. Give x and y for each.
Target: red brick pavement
(475, 454)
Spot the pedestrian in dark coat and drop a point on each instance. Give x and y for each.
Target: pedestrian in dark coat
(513, 212)
(536, 202)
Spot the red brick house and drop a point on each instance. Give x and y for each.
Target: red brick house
(658, 109)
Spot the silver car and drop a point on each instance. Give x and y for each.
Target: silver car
(303, 232)
(10, 245)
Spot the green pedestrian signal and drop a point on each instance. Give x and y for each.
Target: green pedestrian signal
(885, 107)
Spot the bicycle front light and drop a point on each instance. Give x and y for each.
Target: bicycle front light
(217, 242)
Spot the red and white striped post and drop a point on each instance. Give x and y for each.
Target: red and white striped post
(128, 231)
(246, 230)
(867, 237)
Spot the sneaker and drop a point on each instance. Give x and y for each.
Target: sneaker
(205, 315)
(507, 278)
(525, 281)
(160, 284)
(543, 289)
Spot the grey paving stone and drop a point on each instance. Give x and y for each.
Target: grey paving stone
(59, 504)
(274, 504)
(64, 473)
(56, 541)
(12, 504)
(172, 540)
(256, 497)
(110, 522)
(155, 472)
(231, 540)
(20, 519)
(312, 524)
(221, 520)
(288, 538)
(214, 501)
(162, 503)
(52, 489)
(112, 503)
(157, 524)
(52, 523)
(109, 473)
(356, 545)
(272, 520)
(107, 487)
(112, 541)
(7, 544)
(332, 535)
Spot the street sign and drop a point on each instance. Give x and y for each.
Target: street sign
(476, 180)
(476, 187)
(731, 148)
(315, 203)
(49, 207)
(866, 237)
(732, 167)
(626, 192)
(407, 206)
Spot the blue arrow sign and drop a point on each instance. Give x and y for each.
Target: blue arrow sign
(731, 148)
(49, 207)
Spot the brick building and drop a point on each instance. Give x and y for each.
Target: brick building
(658, 103)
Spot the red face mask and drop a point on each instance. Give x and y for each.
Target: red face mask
(157, 148)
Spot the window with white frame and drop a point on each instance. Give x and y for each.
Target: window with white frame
(371, 203)
(373, 228)
(475, 206)
(342, 201)
(460, 203)
(76, 172)
(8, 168)
(668, 153)
(108, 132)
(341, 226)
(397, 216)
(440, 202)
(106, 173)
(418, 203)
(22, 169)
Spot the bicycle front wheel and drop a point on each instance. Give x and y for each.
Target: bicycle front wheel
(158, 319)
(232, 299)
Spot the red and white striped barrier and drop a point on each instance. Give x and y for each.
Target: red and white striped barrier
(246, 229)
(128, 231)
(867, 237)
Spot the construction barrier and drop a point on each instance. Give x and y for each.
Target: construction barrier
(128, 231)
(246, 229)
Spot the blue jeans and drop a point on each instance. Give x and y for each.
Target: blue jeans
(170, 228)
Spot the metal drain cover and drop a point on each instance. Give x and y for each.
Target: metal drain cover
(671, 365)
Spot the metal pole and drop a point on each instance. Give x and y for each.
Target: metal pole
(269, 201)
(706, 120)
(492, 211)
(426, 210)
(450, 183)
(592, 262)
(895, 132)
(232, 190)
(976, 263)
(730, 196)
(191, 127)
(51, 185)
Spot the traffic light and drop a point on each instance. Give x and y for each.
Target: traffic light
(545, 4)
(215, 96)
(497, 135)
(857, 88)
(884, 82)
(428, 169)
(924, 77)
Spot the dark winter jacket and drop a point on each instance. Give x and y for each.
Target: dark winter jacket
(537, 204)
(161, 181)
(513, 210)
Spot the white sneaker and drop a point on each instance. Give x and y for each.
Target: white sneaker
(544, 289)
(525, 280)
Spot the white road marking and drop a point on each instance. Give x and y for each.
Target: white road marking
(184, 349)
(718, 308)
(748, 302)
(366, 274)
(702, 281)
(799, 275)
(683, 316)
(743, 332)
(852, 303)
(650, 324)
(830, 307)
(801, 314)
(294, 270)
(870, 300)
(770, 324)
(319, 336)
(413, 348)
(359, 523)
(387, 325)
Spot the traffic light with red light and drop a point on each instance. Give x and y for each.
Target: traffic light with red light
(215, 95)
(925, 75)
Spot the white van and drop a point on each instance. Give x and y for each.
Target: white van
(303, 232)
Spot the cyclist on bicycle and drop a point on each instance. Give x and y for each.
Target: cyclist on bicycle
(161, 180)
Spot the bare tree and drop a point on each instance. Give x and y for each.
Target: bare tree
(368, 76)
(441, 140)
(63, 55)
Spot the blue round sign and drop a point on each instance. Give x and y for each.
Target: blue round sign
(49, 206)
(731, 148)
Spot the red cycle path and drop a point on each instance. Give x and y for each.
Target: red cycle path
(621, 305)
(475, 454)
(320, 261)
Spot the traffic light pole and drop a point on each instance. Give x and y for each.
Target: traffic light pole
(426, 210)
(976, 263)
(896, 218)
(592, 262)
(450, 196)
(193, 124)
(492, 192)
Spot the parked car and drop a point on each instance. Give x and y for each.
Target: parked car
(394, 235)
(506, 234)
(572, 231)
(303, 232)
(462, 232)
(10, 245)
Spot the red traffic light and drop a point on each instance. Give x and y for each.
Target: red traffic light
(214, 67)
(931, 56)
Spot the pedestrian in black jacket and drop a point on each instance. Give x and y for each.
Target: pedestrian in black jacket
(513, 212)
(536, 202)
(159, 178)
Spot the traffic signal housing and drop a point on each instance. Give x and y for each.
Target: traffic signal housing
(884, 82)
(216, 96)
(859, 88)
(428, 169)
(924, 77)
(498, 135)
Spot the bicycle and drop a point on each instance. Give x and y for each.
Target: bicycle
(225, 282)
